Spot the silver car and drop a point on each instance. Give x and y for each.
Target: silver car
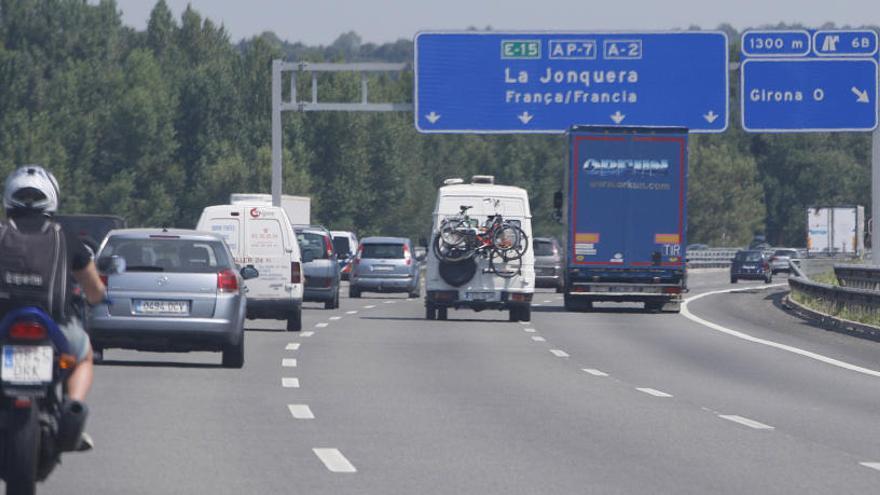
(781, 258)
(548, 263)
(385, 264)
(181, 291)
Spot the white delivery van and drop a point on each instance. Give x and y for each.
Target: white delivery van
(262, 236)
(298, 208)
(473, 283)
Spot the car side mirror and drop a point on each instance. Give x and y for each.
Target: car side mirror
(249, 272)
(111, 265)
(308, 256)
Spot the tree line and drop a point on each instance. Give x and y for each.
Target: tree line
(154, 125)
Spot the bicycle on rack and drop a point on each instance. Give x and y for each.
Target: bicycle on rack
(502, 242)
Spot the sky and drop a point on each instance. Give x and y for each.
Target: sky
(320, 22)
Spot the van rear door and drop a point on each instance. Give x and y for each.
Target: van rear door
(267, 246)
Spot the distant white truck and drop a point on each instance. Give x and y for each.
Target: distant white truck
(298, 208)
(837, 229)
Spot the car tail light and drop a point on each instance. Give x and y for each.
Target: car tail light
(27, 330)
(357, 259)
(295, 273)
(328, 246)
(672, 290)
(227, 281)
(406, 255)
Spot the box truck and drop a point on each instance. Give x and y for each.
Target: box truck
(836, 230)
(625, 215)
(298, 208)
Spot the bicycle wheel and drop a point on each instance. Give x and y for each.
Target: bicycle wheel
(449, 253)
(504, 268)
(453, 232)
(511, 242)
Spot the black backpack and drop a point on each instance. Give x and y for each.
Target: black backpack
(33, 268)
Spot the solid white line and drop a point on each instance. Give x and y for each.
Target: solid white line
(744, 336)
(751, 423)
(538, 338)
(370, 306)
(559, 353)
(290, 382)
(288, 363)
(594, 372)
(293, 346)
(538, 304)
(351, 312)
(321, 325)
(300, 411)
(654, 392)
(529, 330)
(872, 465)
(307, 334)
(334, 460)
(334, 318)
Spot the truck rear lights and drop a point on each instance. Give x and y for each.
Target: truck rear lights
(295, 273)
(27, 330)
(520, 297)
(580, 288)
(227, 281)
(443, 295)
(672, 290)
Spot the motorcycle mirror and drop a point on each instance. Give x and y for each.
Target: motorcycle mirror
(111, 265)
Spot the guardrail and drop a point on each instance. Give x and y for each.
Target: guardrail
(858, 276)
(711, 258)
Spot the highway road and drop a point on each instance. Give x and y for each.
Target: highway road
(734, 396)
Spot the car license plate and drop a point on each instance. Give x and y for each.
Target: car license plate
(383, 268)
(480, 296)
(146, 307)
(749, 267)
(27, 364)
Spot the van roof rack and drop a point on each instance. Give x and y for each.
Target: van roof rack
(483, 179)
(453, 181)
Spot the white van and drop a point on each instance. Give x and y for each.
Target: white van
(262, 236)
(472, 283)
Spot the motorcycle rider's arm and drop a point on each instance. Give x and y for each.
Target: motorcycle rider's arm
(91, 283)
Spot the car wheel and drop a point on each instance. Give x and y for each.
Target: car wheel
(233, 355)
(332, 303)
(560, 289)
(430, 312)
(294, 321)
(442, 313)
(733, 280)
(417, 293)
(353, 293)
(97, 354)
(513, 314)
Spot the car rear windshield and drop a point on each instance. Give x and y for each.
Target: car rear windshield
(313, 243)
(342, 246)
(786, 252)
(383, 251)
(749, 256)
(544, 248)
(169, 255)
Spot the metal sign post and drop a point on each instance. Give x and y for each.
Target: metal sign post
(313, 105)
(875, 196)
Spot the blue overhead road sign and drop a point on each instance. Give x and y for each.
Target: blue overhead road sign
(546, 82)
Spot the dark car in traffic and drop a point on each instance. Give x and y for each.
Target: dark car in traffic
(750, 265)
(320, 265)
(548, 263)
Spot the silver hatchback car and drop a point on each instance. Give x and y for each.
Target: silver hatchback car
(181, 291)
(385, 264)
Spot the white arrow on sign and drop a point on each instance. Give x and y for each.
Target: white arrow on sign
(433, 117)
(863, 95)
(710, 117)
(617, 117)
(525, 117)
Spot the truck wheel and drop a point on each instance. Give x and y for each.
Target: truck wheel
(430, 312)
(733, 280)
(294, 321)
(332, 303)
(513, 314)
(525, 313)
(442, 313)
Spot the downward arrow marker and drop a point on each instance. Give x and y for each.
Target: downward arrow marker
(433, 117)
(617, 117)
(525, 117)
(711, 116)
(863, 95)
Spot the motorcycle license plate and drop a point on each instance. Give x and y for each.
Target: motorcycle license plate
(27, 364)
(146, 307)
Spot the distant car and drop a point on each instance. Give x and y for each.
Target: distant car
(548, 263)
(319, 265)
(345, 244)
(696, 247)
(781, 259)
(91, 229)
(385, 264)
(181, 291)
(750, 264)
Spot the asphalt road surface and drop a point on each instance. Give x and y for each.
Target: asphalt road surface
(734, 396)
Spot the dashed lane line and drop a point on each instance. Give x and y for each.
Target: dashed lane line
(300, 411)
(371, 306)
(751, 423)
(334, 461)
(538, 338)
(872, 465)
(594, 372)
(390, 302)
(654, 392)
(290, 382)
(335, 318)
(559, 353)
(293, 346)
(529, 330)
(288, 363)
(744, 336)
(321, 325)
(353, 312)
(548, 301)
(307, 334)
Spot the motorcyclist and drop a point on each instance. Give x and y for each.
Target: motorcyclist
(30, 198)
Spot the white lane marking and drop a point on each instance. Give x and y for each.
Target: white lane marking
(321, 325)
(307, 334)
(334, 460)
(538, 338)
(293, 346)
(390, 302)
(559, 353)
(351, 312)
(751, 423)
(334, 318)
(300, 411)
(744, 336)
(288, 363)
(548, 301)
(654, 392)
(594, 372)
(289, 382)
(529, 330)
(872, 465)
(370, 306)
(537, 304)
